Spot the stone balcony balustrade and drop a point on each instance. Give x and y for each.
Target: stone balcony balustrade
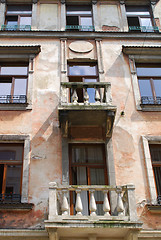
(102, 93)
(124, 200)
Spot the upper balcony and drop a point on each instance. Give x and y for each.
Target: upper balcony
(86, 104)
(83, 214)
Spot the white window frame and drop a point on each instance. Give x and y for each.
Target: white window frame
(25, 139)
(149, 169)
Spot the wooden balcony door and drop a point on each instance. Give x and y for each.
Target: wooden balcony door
(87, 167)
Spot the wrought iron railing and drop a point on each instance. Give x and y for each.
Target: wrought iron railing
(80, 27)
(16, 27)
(14, 99)
(151, 100)
(10, 198)
(144, 28)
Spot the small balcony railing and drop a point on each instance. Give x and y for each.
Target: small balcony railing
(101, 93)
(10, 198)
(13, 99)
(16, 27)
(144, 28)
(124, 202)
(80, 27)
(151, 100)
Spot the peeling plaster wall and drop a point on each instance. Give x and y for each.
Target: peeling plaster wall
(42, 124)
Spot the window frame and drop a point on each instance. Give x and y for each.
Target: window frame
(79, 18)
(150, 16)
(7, 163)
(147, 140)
(18, 15)
(24, 139)
(12, 77)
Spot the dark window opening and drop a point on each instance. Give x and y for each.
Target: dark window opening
(13, 83)
(149, 79)
(11, 157)
(79, 18)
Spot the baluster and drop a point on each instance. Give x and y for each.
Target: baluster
(97, 96)
(74, 96)
(106, 205)
(86, 96)
(93, 206)
(120, 206)
(78, 206)
(65, 205)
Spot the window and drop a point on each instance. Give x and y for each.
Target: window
(155, 151)
(88, 167)
(13, 83)
(83, 73)
(149, 79)
(139, 18)
(18, 17)
(11, 158)
(79, 17)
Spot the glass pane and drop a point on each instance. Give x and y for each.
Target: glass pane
(12, 22)
(1, 177)
(5, 88)
(157, 86)
(86, 21)
(14, 70)
(91, 91)
(20, 86)
(157, 173)
(146, 22)
(7, 155)
(155, 151)
(94, 154)
(78, 155)
(13, 179)
(78, 10)
(19, 9)
(145, 88)
(82, 70)
(97, 177)
(11, 151)
(149, 71)
(25, 21)
(137, 10)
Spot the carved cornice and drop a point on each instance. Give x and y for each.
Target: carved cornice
(63, 1)
(34, 1)
(94, 2)
(122, 2)
(3, 1)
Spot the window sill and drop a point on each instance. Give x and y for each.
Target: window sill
(15, 106)
(154, 208)
(150, 108)
(16, 206)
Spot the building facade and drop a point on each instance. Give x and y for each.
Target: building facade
(80, 112)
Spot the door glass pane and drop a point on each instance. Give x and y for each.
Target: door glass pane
(82, 70)
(145, 88)
(1, 178)
(13, 179)
(91, 91)
(78, 155)
(157, 173)
(20, 86)
(157, 86)
(7, 155)
(95, 154)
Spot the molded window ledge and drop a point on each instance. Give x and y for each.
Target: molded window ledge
(154, 208)
(16, 206)
(150, 108)
(15, 106)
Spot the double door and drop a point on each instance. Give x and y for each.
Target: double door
(88, 167)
